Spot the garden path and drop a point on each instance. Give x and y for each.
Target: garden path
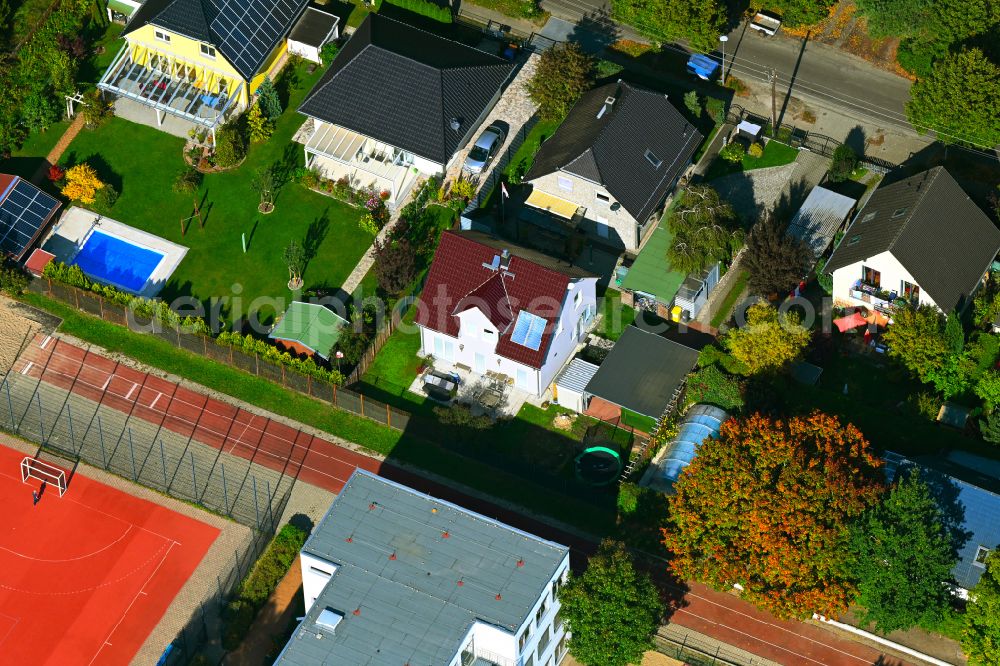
(272, 622)
(60, 148)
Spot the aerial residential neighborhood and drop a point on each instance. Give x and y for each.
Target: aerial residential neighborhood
(500, 332)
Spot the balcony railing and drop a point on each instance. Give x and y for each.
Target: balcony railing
(879, 298)
(476, 657)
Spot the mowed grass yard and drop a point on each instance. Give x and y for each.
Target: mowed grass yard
(142, 164)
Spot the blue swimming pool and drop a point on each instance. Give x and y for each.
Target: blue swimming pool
(117, 262)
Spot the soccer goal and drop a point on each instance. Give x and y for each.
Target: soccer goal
(39, 470)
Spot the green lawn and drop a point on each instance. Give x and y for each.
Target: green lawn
(615, 317)
(142, 163)
(775, 154)
(638, 421)
(729, 302)
(25, 160)
(412, 448)
(396, 364)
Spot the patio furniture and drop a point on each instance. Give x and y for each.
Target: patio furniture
(491, 399)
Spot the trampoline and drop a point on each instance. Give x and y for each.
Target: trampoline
(598, 466)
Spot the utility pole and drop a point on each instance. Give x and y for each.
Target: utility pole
(774, 103)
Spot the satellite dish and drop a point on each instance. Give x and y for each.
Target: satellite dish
(615, 206)
(455, 124)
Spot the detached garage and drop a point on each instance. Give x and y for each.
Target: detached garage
(314, 30)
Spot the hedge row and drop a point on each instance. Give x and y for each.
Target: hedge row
(142, 307)
(425, 8)
(262, 580)
(252, 345)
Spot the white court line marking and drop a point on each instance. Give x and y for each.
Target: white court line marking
(128, 396)
(107, 641)
(71, 559)
(152, 405)
(26, 369)
(46, 341)
(104, 386)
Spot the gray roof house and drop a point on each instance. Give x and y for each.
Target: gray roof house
(970, 502)
(921, 238)
(613, 161)
(392, 576)
(395, 99)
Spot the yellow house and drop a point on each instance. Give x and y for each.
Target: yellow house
(199, 61)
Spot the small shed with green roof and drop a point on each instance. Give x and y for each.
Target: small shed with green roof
(308, 328)
(651, 276)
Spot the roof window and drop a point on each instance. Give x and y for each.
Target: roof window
(899, 212)
(869, 216)
(853, 240)
(653, 159)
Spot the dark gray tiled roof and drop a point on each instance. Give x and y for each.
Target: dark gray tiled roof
(642, 371)
(402, 85)
(245, 32)
(968, 497)
(932, 227)
(412, 609)
(611, 150)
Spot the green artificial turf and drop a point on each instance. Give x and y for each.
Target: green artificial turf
(615, 317)
(142, 164)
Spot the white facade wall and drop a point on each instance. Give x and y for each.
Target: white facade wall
(622, 227)
(892, 276)
(427, 167)
(316, 573)
(307, 51)
(475, 346)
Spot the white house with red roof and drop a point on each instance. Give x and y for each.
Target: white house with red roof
(492, 307)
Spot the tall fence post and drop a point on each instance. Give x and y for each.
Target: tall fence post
(270, 515)
(256, 508)
(41, 425)
(163, 465)
(69, 417)
(131, 450)
(10, 406)
(100, 438)
(225, 493)
(194, 479)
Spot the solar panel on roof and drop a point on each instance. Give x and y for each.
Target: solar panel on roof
(22, 213)
(248, 31)
(528, 330)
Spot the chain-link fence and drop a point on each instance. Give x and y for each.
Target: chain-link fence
(203, 345)
(698, 650)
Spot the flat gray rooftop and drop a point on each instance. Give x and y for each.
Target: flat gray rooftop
(413, 574)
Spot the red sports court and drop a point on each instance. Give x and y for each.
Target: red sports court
(84, 578)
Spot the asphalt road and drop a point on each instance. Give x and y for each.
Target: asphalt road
(821, 73)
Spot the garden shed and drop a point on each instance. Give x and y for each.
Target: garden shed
(819, 219)
(314, 30)
(643, 374)
(308, 328)
(701, 422)
(571, 384)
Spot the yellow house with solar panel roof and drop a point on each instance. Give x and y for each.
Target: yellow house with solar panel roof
(200, 61)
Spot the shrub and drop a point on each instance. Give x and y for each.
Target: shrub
(425, 8)
(692, 103)
(564, 73)
(230, 146)
(259, 127)
(739, 87)
(844, 161)
(187, 181)
(255, 346)
(460, 416)
(711, 385)
(353, 342)
(989, 428)
(328, 52)
(260, 583)
(605, 69)
(628, 498)
(823, 279)
(268, 100)
(13, 280)
(756, 150)
(96, 110)
(463, 189)
(733, 152)
(394, 265)
(56, 173)
(716, 108)
(82, 183)
(631, 48)
(105, 198)
(925, 404)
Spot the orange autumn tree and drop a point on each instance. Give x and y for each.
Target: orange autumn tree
(768, 505)
(82, 184)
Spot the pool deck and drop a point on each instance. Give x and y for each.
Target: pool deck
(75, 226)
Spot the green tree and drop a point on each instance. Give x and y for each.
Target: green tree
(989, 427)
(896, 18)
(611, 609)
(769, 341)
(981, 637)
(295, 259)
(903, 556)
(960, 100)
(699, 22)
(768, 504)
(795, 13)
(268, 100)
(564, 73)
(704, 227)
(824, 279)
(844, 161)
(916, 339)
(692, 103)
(988, 388)
(259, 128)
(713, 386)
(776, 260)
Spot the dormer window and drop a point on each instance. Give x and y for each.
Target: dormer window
(208, 51)
(162, 36)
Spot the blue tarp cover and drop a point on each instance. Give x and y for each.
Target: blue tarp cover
(702, 66)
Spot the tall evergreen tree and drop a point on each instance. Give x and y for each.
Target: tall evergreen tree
(904, 555)
(776, 260)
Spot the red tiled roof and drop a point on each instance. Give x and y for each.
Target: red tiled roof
(458, 272)
(37, 262)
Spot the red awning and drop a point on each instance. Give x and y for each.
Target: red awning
(852, 320)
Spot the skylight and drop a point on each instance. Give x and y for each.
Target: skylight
(869, 216)
(853, 239)
(899, 212)
(528, 330)
(329, 619)
(653, 159)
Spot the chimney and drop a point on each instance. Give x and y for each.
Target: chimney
(505, 259)
(608, 103)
